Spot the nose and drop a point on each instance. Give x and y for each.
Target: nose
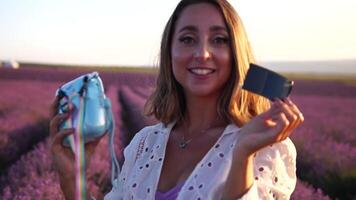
(202, 51)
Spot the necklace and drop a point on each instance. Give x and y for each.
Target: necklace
(184, 143)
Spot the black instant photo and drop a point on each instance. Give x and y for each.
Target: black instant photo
(267, 83)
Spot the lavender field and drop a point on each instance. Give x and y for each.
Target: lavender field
(326, 142)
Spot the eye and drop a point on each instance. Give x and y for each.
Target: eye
(186, 40)
(221, 40)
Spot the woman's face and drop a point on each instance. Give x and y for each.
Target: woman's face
(201, 53)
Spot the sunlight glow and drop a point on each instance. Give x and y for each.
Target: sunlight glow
(128, 33)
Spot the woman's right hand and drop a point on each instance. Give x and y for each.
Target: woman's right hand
(63, 157)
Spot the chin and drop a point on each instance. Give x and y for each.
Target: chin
(202, 92)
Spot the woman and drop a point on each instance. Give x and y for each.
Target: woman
(215, 141)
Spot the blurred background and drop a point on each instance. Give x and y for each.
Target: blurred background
(127, 33)
(44, 44)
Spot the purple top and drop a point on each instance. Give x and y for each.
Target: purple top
(171, 194)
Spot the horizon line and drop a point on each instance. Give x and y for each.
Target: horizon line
(152, 65)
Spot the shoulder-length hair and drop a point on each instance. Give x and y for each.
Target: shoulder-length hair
(167, 102)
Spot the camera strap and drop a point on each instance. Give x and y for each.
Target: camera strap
(79, 152)
(79, 147)
(115, 166)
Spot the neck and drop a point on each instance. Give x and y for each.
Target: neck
(201, 115)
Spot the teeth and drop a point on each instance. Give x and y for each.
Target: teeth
(202, 71)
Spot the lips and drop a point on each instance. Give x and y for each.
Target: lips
(201, 71)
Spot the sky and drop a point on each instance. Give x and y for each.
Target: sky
(128, 32)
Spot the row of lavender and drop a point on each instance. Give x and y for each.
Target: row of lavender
(325, 144)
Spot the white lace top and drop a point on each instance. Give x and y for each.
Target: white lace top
(274, 168)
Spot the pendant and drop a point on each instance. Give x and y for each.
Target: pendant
(183, 144)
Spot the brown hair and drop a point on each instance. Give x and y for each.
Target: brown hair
(167, 103)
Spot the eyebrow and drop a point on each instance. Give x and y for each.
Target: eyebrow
(188, 28)
(218, 28)
(195, 29)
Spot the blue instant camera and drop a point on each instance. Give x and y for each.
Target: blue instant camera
(90, 109)
(97, 118)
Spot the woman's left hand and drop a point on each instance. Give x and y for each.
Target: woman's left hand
(272, 126)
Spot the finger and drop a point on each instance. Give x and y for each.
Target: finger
(278, 106)
(92, 144)
(57, 141)
(295, 109)
(282, 123)
(273, 110)
(276, 109)
(270, 123)
(58, 138)
(54, 107)
(291, 116)
(55, 122)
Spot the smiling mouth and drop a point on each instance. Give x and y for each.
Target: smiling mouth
(200, 71)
